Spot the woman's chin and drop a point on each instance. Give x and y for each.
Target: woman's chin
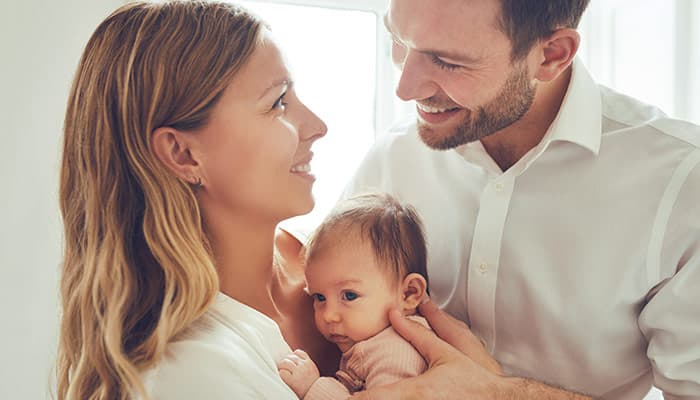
(302, 208)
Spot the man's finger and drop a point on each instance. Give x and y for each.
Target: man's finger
(431, 347)
(395, 391)
(451, 330)
(458, 334)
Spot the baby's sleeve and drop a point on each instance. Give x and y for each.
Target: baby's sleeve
(389, 358)
(326, 388)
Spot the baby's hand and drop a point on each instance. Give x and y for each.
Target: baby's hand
(298, 371)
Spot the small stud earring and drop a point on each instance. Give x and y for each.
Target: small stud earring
(197, 183)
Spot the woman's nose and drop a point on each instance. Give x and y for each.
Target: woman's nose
(312, 127)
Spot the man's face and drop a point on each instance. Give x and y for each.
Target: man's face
(456, 64)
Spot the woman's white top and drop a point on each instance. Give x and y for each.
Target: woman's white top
(229, 353)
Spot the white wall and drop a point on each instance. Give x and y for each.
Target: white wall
(40, 43)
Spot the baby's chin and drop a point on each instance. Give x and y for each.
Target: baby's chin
(343, 342)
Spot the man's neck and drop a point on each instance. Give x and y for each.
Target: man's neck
(509, 145)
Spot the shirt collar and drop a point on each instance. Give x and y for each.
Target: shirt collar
(251, 323)
(578, 122)
(579, 118)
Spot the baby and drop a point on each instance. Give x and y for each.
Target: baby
(366, 258)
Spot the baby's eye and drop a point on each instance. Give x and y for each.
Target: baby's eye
(350, 296)
(318, 297)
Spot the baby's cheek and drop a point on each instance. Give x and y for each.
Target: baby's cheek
(318, 322)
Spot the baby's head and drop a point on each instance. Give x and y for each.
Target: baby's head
(366, 258)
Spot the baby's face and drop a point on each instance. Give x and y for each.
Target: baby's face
(352, 294)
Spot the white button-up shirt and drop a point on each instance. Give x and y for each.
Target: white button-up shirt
(580, 265)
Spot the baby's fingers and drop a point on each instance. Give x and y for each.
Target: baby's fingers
(286, 364)
(301, 354)
(285, 375)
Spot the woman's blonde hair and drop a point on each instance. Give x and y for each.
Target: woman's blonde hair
(137, 267)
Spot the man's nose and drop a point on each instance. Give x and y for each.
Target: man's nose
(416, 82)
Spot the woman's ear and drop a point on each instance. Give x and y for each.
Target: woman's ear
(556, 53)
(413, 289)
(172, 148)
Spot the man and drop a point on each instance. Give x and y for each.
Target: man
(562, 218)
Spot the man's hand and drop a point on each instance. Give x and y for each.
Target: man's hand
(459, 367)
(298, 371)
(458, 334)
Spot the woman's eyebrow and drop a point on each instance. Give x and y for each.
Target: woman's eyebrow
(277, 82)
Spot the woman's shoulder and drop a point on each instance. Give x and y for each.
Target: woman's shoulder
(289, 243)
(217, 358)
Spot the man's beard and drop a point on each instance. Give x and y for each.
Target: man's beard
(511, 103)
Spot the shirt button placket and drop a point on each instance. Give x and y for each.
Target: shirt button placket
(485, 256)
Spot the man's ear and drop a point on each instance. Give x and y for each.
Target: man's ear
(556, 53)
(172, 148)
(413, 289)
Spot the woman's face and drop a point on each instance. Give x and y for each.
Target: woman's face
(254, 152)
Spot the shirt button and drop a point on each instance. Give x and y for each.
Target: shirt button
(483, 267)
(498, 186)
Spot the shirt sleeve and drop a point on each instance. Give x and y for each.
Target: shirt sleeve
(670, 320)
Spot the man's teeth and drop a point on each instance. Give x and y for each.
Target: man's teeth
(301, 168)
(433, 110)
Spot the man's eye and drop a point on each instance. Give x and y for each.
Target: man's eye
(446, 66)
(350, 296)
(318, 297)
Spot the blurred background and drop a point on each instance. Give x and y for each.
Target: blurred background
(339, 52)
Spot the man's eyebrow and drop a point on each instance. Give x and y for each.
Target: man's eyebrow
(277, 82)
(450, 55)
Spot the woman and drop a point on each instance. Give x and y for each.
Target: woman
(185, 144)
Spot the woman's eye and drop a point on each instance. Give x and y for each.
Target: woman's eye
(280, 103)
(318, 297)
(349, 296)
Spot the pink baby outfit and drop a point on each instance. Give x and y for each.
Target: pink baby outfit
(380, 360)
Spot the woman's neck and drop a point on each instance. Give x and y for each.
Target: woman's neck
(243, 256)
(247, 273)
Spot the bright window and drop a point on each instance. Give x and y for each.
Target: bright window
(646, 49)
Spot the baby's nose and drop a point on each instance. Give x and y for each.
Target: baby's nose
(331, 315)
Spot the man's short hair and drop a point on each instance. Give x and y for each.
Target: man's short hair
(527, 21)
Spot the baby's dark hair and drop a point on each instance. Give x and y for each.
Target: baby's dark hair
(394, 229)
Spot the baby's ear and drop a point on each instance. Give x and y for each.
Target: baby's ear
(413, 288)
